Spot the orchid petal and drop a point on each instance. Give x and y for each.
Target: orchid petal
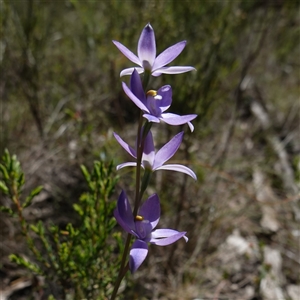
(136, 100)
(153, 104)
(136, 87)
(151, 118)
(129, 71)
(138, 253)
(123, 225)
(146, 47)
(147, 59)
(155, 74)
(178, 168)
(166, 94)
(143, 229)
(172, 70)
(150, 210)
(127, 164)
(164, 237)
(168, 150)
(128, 148)
(173, 119)
(168, 55)
(123, 213)
(149, 151)
(191, 126)
(130, 55)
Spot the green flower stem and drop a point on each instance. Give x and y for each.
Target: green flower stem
(145, 182)
(146, 79)
(138, 194)
(140, 148)
(123, 270)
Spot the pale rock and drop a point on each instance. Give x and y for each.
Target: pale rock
(264, 193)
(270, 285)
(231, 252)
(249, 292)
(270, 290)
(273, 258)
(235, 245)
(293, 291)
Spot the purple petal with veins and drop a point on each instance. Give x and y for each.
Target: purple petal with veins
(147, 47)
(172, 70)
(136, 100)
(138, 254)
(127, 164)
(164, 237)
(168, 150)
(149, 152)
(166, 97)
(151, 118)
(173, 119)
(129, 71)
(131, 56)
(123, 213)
(143, 229)
(191, 126)
(153, 105)
(168, 55)
(121, 222)
(178, 168)
(136, 87)
(129, 149)
(150, 210)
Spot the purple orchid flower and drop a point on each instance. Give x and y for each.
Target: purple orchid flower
(152, 161)
(155, 103)
(147, 59)
(141, 227)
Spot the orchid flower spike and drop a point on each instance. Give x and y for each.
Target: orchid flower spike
(147, 59)
(152, 161)
(155, 103)
(141, 227)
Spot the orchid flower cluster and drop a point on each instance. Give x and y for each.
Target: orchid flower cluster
(141, 222)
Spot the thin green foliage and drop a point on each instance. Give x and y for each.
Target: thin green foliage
(82, 259)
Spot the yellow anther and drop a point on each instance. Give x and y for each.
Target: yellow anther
(152, 93)
(139, 218)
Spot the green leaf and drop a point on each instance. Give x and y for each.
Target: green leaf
(25, 263)
(4, 188)
(4, 172)
(72, 231)
(21, 180)
(6, 156)
(13, 166)
(33, 193)
(79, 209)
(41, 228)
(7, 210)
(85, 172)
(97, 169)
(34, 228)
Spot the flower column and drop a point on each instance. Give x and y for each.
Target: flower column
(140, 222)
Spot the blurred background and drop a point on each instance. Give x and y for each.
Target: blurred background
(61, 100)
